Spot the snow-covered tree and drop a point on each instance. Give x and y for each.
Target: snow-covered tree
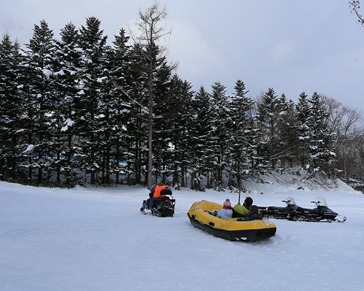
(303, 113)
(119, 61)
(67, 87)
(288, 133)
(267, 121)
(163, 126)
(220, 131)
(79, 108)
(241, 143)
(178, 110)
(200, 131)
(92, 42)
(41, 53)
(320, 136)
(10, 106)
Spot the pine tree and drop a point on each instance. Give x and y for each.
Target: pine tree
(68, 86)
(200, 132)
(179, 108)
(303, 130)
(163, 120)
(220, 133)
(320, 137)
(92, 43)
(268, 116)
(10, 106)
(135, 142)
(288, 132)
(119, 62)
(106, 111)
(41, 49)
(241, 144)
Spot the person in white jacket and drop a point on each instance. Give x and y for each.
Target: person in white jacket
(226, 212)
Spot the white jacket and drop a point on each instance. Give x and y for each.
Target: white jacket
(225, 213)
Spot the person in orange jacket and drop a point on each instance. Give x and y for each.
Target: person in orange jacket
(157, 193)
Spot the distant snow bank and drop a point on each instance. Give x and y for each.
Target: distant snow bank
(294, 181)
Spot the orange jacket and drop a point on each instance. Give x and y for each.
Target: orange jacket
(157, 191)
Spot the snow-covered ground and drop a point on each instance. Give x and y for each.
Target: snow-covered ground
(96, 239)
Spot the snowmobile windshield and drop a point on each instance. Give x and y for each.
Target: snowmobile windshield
(290, 201)
(320, 201)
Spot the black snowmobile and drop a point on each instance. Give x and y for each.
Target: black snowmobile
(163, 207)
(296, 213)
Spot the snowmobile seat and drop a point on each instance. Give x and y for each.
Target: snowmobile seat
(166, 192)
(276, 209)
(306, 210)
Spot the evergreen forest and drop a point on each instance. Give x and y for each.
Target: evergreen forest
(85, 109)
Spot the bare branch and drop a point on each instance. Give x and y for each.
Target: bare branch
(355, 5)
(149, 25)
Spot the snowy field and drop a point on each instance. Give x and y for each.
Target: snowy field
(96, 239)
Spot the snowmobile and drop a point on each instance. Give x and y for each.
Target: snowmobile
(296, 213)
(163, 207)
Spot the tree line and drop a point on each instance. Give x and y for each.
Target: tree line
(79, 110)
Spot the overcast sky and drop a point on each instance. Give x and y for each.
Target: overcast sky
(291, 46)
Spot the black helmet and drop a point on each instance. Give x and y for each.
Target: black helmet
(248, 202)
(253, 209)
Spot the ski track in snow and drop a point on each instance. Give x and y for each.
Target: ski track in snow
(96, 239)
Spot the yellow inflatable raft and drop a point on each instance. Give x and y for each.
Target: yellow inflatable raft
(231, 229)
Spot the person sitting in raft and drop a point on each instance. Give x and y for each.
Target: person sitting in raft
(242, 210)
(254, 214)
(157, 193)
(226, 212)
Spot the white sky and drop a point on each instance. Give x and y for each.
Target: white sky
(292, 46)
